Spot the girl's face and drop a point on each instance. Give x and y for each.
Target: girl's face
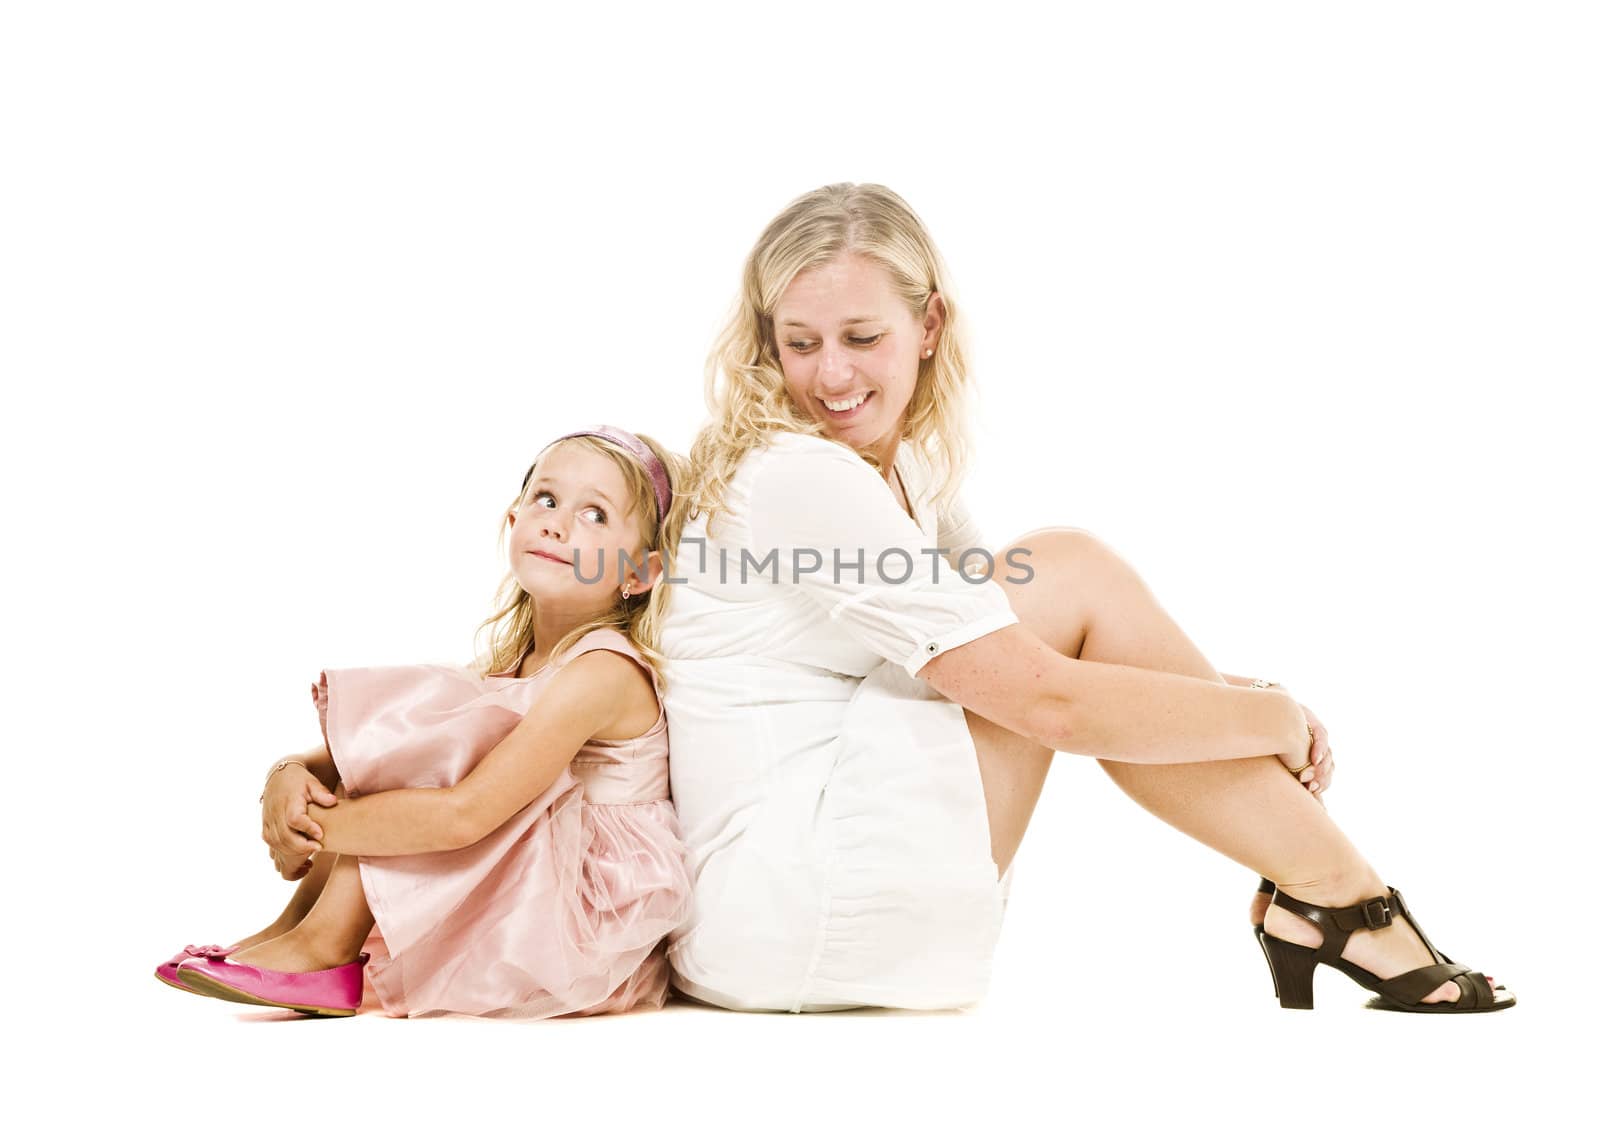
(569, 524)
(850, 348)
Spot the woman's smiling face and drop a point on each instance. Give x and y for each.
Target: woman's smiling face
(847, 339)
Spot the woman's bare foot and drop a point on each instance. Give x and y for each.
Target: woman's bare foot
(1258, 907)
(1386, 952)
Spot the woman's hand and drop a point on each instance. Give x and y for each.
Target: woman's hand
(1315, 751)
(1317, 779)
(1303, 739)
(1300, 756)
(288, 831)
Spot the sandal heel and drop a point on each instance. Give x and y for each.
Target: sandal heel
(1293, 965)
(1292, 968)
(1269, 888)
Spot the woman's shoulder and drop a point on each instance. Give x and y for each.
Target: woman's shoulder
(804, 455)
(779, 444)
(787, 443)
(798, 464)
(790, 476)
(784, 458)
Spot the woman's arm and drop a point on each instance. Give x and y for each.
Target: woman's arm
(579, 703)
(1244, 680)
(1107, 710)
(913, 607)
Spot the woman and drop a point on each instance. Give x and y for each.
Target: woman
(861, 731)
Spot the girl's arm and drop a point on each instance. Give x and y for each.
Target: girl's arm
(598, 694)
(318, 762)
(288, 791)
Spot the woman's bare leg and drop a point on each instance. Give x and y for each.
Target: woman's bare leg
(333, 931)
(1086, 602)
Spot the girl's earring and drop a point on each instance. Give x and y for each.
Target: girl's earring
(928, 354)
(626, 590)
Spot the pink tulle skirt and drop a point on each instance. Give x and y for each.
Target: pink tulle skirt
(563, 909)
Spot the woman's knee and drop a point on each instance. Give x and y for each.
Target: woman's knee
(1068, 552)
(1055, 579)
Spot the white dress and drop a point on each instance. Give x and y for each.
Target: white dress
(830, 801)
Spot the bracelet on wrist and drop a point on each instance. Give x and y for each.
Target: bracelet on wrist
(273, 771)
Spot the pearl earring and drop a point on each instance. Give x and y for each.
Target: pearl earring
(928, 354)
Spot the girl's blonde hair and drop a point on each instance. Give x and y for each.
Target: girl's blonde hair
(744, 385)
(510, 625)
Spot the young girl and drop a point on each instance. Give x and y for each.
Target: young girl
(506, 828)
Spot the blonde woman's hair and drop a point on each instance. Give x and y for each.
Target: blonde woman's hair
(744, 385)
(510, 625)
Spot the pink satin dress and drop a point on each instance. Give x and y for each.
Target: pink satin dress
(564, 908)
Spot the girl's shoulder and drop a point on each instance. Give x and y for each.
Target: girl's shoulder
(608, 639)
(633, 701)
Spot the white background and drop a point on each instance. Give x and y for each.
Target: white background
(1294, 305)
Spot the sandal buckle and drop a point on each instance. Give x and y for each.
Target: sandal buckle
(1377, 912)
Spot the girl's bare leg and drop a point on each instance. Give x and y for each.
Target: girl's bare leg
(305, 894)
(306, 891)
(333, 931)
(1087, 603)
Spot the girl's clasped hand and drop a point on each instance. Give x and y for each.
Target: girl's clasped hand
(291, 835)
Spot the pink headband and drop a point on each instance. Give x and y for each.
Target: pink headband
(641, 451)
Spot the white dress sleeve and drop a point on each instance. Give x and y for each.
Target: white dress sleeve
(839, 535)
(958, 533)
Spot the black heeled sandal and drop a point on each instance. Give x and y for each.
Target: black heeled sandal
(1292, 965)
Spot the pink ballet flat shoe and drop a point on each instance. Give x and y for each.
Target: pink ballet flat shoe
(168, 971)
(335, 992)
